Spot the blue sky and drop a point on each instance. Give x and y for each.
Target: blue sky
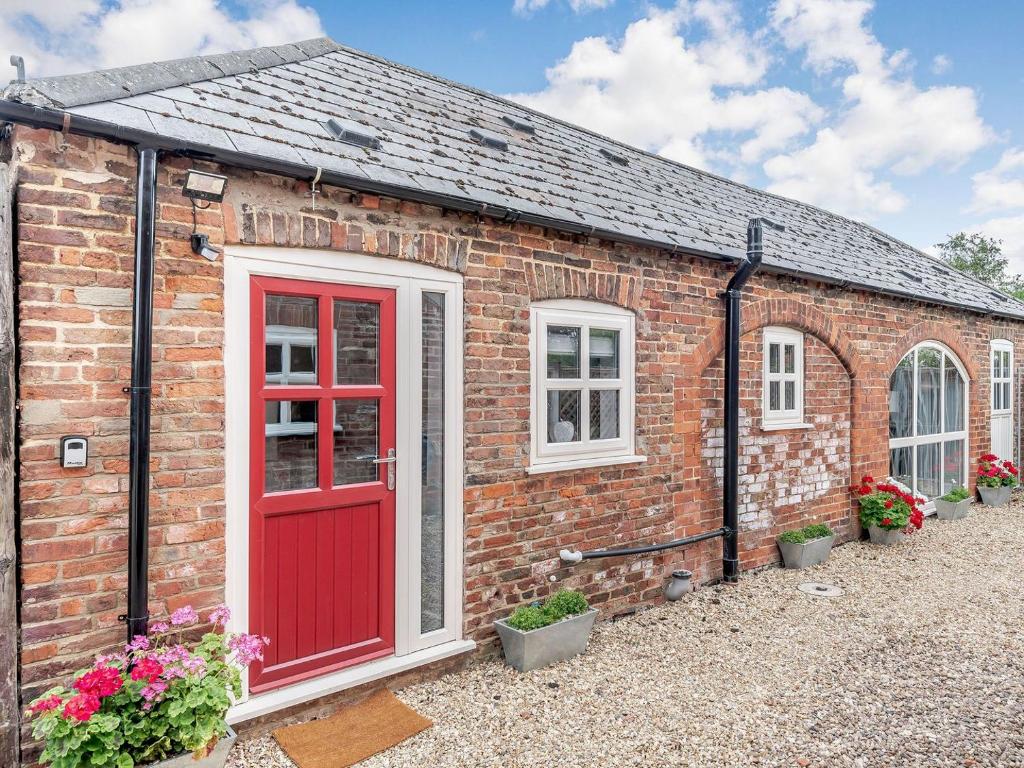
(903, 114)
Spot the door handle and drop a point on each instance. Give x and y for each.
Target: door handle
(390, 460)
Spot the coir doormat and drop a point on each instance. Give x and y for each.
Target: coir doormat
(352, 734)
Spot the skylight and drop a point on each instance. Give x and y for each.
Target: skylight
(520, 124)
(615, 158)
(488, 139)
(352, 133)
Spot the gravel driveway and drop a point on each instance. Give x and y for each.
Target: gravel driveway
(921, 663)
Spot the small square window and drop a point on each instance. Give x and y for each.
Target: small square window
(583, 384)
(783, 378)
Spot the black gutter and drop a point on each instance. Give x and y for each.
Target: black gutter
(575, 557)
(140, 393)
(733, 329)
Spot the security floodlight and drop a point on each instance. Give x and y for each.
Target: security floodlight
(200, 185)
(201, 245)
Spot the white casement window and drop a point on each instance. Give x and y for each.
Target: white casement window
(783, 393)
(582, 359)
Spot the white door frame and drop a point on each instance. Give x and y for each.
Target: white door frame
(1005, 413)
(409, 280)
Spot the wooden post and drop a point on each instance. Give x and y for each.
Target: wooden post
(10, 711)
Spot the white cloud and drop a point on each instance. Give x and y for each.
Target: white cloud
(657, 90)
(578, 6)
(941, 64)
(885, 125)
(62, 36)
(1001, 187)
(694, 84)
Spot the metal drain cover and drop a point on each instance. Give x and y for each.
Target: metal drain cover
(819, 589)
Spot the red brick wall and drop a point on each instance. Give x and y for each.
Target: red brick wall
(75, 268)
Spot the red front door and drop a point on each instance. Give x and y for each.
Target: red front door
(322, 510)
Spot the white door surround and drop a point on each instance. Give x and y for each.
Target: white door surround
(410, 282)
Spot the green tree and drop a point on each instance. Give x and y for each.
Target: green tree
(981, 257)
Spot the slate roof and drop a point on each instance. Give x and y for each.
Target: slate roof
(275, 102)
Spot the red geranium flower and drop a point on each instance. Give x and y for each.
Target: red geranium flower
(45, 705)
(989, 457)
(82, 707)
(100, 682)
(147, 669)
(886, 521)
(888, 503)
(867, 479)
(864, 490)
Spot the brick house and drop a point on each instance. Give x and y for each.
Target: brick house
(526, 316)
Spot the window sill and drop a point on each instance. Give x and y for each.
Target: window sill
(604, 461)
(781, 427)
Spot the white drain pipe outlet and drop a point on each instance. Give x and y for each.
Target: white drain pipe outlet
(568, 556)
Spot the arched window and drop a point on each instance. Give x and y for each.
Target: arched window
(928, 421)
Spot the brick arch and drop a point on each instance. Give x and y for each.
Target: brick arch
(552, 281)
(929, 330)
(790, 313)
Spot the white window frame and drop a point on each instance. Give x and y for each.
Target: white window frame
(1001, 347)
(285, 337)
(942, 437)
(586, 452)
(783, 418)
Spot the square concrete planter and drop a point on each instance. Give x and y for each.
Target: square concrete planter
(216, 759)
(952, 510)
(540, 647)
(886, 536)
(995, 497)
(807, 554)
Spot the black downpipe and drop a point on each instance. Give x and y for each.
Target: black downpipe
(732, 296)
(140, 395)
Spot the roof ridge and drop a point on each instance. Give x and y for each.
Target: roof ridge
(79, 89)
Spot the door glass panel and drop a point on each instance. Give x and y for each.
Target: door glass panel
(563, 416)
(291, 338)
(773, 359)
(790, 358)
(774, 401)
(355, 441)
(954, 417)
(604, 353)
(432, 465)
(290, 446)
(900, 467)
(929, 369)
(604, 414)
(929, 470)
(790, 390)
(1007, 404)
(901, 398)
(356, 342)
(952, 464)
(563, 352)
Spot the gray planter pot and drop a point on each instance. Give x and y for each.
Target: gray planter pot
(215, 759)
(952, 510)
(540, 647)
(807, 554)
(995, 497)
(886, 536)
